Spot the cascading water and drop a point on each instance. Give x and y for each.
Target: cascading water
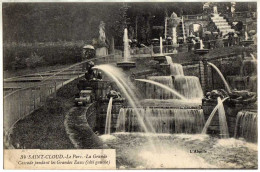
(222, 119)
(221, 76)
(175, 68)
(163, 120)
(126, 88)
(246, 126)
(188, 86)
(160, 87)
(108, 117)
(126, 46)
(184, 87)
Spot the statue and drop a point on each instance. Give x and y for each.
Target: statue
(102, 35)
(174, 21)
(102, 46)
(215, 9)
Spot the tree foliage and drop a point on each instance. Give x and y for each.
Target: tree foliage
(52, 22)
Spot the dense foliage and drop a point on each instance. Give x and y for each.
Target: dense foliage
(51, 22)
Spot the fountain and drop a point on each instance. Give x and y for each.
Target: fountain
(161, 46)
(201, 51)
(247, 42)
(222, 119)
(174, 22)
(221, 76)
(108, 118)
(126, 64)
(120, 81)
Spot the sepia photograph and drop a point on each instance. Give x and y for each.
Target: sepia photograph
(130, 85)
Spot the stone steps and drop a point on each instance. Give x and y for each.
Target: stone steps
(221, 24)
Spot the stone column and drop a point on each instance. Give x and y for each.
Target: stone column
(203, 69)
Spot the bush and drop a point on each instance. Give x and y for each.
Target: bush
(34, 60)
(39, 54)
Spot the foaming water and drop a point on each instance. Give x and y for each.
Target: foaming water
(246, 126)
(221, 76)
(164, 87)
(163, 120)
(108, 117)
(171, 157)
(106, 137)
(180, 151)
(222, 120)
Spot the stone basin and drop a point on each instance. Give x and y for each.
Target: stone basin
(126, 65)
(160, 58)
(201, 51)
(247, 42)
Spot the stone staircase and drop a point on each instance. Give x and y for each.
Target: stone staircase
(222, 24)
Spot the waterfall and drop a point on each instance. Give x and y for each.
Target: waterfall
(120, 125)
(188, 86)
(108, 117)
(222, 118)
(165, 91)
(246, 126)
(221, 76)
(169, 59)
(175, 68)
(183, 87)
(163, 120)
(126, 46)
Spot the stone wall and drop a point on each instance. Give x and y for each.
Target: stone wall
(202, 22)
(102, 113)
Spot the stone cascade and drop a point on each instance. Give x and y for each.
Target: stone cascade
(222, 24)
(163, 120)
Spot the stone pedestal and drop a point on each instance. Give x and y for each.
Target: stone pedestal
(103, 51)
